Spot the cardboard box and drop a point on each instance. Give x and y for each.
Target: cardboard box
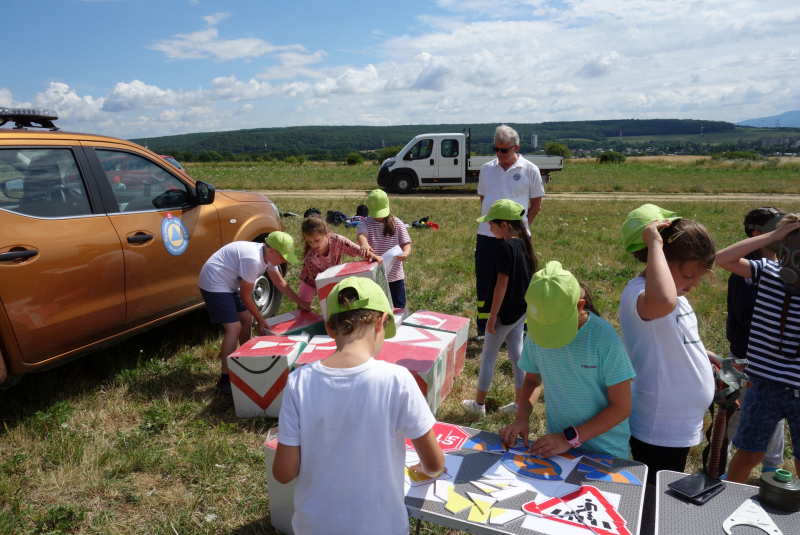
(326, 280)
(444, 322)
(425, 354)
(259, 370)
(297, 322)
(281, 497)
(318, 348)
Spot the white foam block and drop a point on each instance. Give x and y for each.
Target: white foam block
(326, 280)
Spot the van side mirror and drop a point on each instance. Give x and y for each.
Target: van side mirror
(205, 193)
(12, 188)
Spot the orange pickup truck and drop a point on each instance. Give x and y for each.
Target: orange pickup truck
(101, 239)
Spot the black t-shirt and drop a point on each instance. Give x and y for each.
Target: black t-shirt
(511, 261)
(741, 302)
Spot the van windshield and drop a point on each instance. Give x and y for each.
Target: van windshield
(409, 145)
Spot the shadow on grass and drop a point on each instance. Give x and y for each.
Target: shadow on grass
(134, 361)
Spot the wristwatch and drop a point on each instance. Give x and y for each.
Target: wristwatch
(571, 436)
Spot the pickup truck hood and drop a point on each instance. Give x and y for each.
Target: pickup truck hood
(242, 196)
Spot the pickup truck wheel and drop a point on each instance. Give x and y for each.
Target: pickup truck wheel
(265, 295)
(403, 184)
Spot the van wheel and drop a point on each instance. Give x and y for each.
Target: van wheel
(265, 295)
(403, 184)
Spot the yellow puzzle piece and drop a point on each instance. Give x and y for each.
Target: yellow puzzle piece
(456, 502)
(475, 515)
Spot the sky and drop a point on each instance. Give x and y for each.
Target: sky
(139, 68)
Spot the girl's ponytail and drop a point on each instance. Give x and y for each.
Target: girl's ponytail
(518, 227)
(388, 225)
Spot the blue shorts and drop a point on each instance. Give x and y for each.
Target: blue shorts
(765, 405)
(223, 307)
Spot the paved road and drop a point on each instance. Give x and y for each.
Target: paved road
(774, 198)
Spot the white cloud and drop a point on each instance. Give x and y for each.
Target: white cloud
(69, 105)
(208, 44)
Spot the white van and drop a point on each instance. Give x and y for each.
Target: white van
(443, 160)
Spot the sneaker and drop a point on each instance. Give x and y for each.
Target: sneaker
(479, 337)
(469, 405)
(224, 388)
(511, 408)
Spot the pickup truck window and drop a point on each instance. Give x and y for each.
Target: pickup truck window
(42, 183)
(449, 148)
(422, 149)
(140, 185)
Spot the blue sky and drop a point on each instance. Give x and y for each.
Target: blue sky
(138, 68)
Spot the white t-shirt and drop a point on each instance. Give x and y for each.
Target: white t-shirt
(674, 383)
(351, 425)
(238, 261)
(521, 183)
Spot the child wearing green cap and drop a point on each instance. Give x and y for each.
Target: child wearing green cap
(514, 265)
(344, 421)
(581, 360)
(226, 284)
(380, 232)
(674, 384)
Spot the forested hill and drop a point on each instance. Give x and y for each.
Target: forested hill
(312, 139)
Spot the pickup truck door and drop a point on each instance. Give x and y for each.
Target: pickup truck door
(61, 263)
(166, 237)
(451, 162)
(422, 159)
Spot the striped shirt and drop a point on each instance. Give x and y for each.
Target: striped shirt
(763, 353)
(314, 263)
(373, 230)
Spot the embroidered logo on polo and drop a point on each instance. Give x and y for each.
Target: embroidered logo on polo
(516, 177)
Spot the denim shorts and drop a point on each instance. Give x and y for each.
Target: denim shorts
(766, 405)
(223, 307)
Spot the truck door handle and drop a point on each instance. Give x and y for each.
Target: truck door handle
(455, 162)
(17, 255)
(431, 161)
(139, 238)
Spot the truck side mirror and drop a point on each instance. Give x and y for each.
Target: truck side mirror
(205, 193)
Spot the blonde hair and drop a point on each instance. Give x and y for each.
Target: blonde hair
(348, 321)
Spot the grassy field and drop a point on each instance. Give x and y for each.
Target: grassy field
(651, 175)
(134, 439)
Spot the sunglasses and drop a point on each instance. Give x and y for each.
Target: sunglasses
(502, 151)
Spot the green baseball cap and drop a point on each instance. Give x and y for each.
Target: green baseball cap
(378, 203)
(284, 244)
(370, 297)
(552, 299)
(637, 220)
(504, 209)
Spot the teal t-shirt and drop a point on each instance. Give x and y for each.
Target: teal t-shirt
(576, 378)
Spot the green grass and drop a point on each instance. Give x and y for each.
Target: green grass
(669, 175)
(133, 438)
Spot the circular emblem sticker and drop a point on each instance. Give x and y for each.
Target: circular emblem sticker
(174, 234)
(516, 177)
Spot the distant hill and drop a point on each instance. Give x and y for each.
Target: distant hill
(787, 119)
(315, 139)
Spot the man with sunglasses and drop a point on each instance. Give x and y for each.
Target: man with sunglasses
(506, 177)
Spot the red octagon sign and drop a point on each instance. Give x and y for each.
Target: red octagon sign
(450, 437)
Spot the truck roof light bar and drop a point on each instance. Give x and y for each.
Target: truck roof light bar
(26, 117)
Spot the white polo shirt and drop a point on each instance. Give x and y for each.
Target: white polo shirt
(521, 183)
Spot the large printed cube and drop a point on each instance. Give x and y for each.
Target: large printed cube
(281, 497)
(443, 322)
(425, 354)
(297, 322)
(258, 372)
(320, 347)
(326, 280)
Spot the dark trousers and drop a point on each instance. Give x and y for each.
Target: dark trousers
(658, 458)
(485, 256)
(397, 289)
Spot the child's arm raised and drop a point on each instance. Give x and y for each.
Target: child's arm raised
(618, 408)
(660, 296)
(431, 458)
(286, 464)
(499, 294)
(531, 389)
(283, 287)
(732, 258)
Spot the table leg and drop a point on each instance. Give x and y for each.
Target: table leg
(419, 523)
